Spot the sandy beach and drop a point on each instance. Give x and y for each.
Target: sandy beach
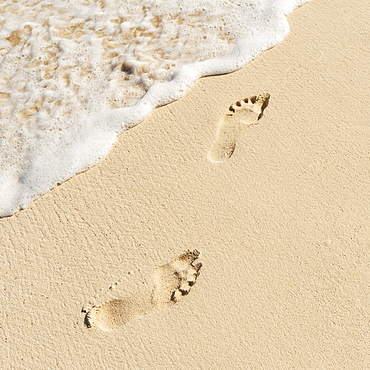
(282, 226)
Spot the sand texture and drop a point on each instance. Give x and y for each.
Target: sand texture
(281, 222)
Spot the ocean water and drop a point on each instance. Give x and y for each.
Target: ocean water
(75, 74)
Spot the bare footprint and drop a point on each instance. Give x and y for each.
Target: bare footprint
(171, 281)
(240, 115)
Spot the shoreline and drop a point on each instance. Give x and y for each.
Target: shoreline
(282, 226)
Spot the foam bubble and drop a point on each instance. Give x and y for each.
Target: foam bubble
(74, 76)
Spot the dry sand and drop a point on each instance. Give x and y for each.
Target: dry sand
(282, 226)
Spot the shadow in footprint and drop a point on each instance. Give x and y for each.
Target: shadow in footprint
(240, 115)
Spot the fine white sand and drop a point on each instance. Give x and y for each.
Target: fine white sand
(282, 226)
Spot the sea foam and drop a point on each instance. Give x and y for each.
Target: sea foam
(74, 75)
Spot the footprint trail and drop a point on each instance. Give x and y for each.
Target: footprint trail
(171, 282)
(240, 115)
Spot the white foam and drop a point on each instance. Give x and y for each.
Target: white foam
(74, 76)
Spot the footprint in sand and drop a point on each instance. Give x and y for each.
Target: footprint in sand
(171, 281)
(240, 115)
